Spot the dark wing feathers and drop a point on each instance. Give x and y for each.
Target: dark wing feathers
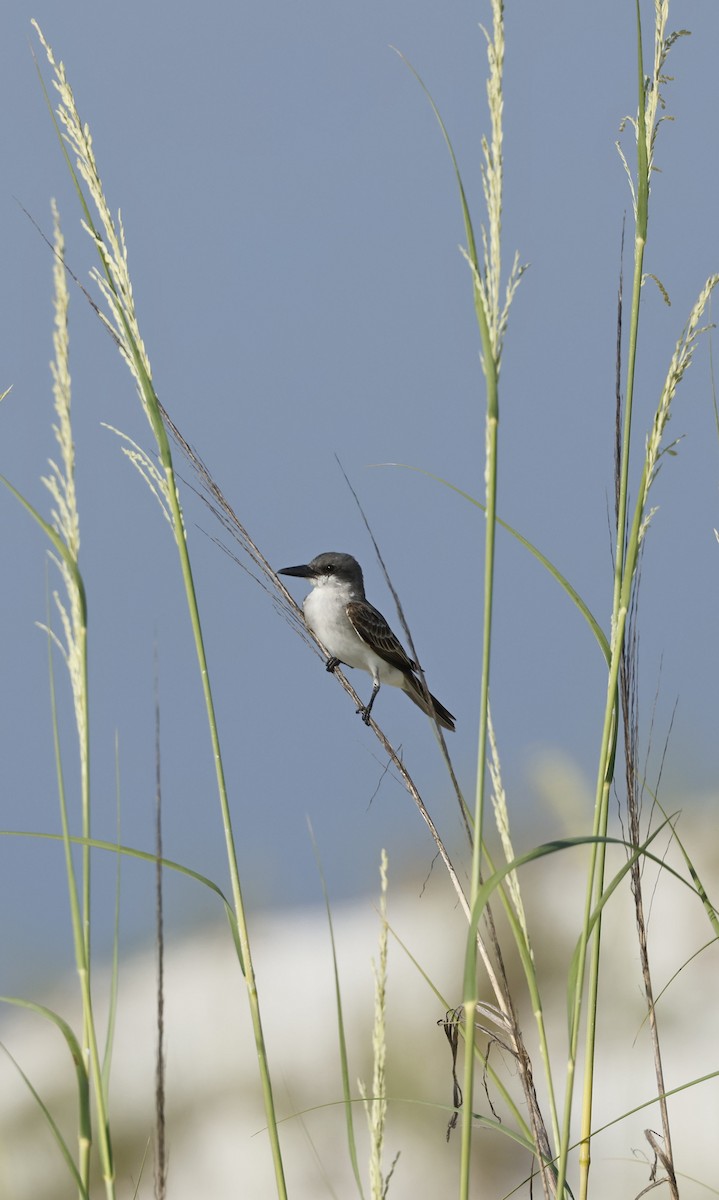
(370, 625)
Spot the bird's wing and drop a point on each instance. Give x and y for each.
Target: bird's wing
(370, 625)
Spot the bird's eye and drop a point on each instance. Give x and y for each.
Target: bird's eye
(329, 569)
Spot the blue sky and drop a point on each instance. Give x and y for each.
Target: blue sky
(293, 224)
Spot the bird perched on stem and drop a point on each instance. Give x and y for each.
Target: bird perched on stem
(357, 635)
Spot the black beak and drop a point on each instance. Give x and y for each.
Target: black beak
(303, 572)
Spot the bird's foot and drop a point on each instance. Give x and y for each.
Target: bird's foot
(332, 664)
(365, 713)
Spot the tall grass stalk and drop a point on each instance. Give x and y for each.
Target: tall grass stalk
(113, 281)
(65, 537)
(492, 318)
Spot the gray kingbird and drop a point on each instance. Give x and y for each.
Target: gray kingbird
(356, 634)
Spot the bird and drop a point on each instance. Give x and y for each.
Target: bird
(357, 635)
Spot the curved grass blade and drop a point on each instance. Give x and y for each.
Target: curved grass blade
(144, 856)
(554, 847)
(469, 231)
(541, 558)
(710, 910)
(83, 1088)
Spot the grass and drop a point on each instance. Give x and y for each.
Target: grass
(548, 1093)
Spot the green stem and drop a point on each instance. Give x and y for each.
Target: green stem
(626, 554)
(640, 238)
(154, 412)
(239, 908)
(80, 926)
(87, 1022)
(489, 320)
(492, 424)
(627, 549)
(152, 408)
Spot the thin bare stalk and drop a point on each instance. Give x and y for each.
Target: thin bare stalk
(630, 722)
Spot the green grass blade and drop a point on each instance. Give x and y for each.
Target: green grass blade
(556, 574)
(609, 889)
(53, 536)
(466, 217)
(129, 851)
(709, 908)
(83, 1087)
(554, 847)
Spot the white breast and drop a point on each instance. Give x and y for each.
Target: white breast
(326, 615)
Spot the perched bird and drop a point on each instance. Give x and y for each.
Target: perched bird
(356, 634)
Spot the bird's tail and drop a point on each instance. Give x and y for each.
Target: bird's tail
(415, 691)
